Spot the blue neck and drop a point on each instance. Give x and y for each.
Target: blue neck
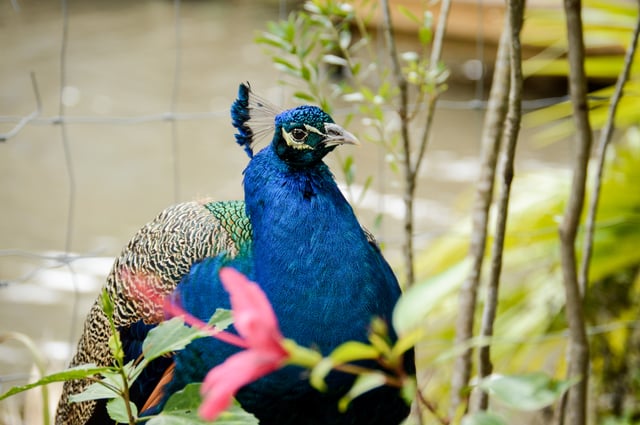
(331, 270)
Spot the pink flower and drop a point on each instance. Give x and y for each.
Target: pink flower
(260, 335)
(254, 320)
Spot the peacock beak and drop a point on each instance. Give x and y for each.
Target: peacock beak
(336, 135)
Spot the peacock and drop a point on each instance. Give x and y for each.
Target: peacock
(297, 236)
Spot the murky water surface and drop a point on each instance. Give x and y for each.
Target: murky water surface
(121, 164)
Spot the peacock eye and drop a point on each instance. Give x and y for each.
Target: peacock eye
(298, 135)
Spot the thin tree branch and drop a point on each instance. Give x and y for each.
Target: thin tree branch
(436, 53)
(514, 117)
(432, 408)
(578, 354)
(403, 112)
(491, 142)
(605, 138)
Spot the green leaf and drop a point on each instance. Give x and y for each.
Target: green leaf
(405, 342)
(364, 383)
(169, 336)
(319, 372)
(115, 348)
(187, 398)
(275, 41)
(348, 169)
(525, 392)
(285, 64)
(133, 369)
(335, 60)
(344, 353)
(305, 97)
(111, 386)
(425, 35)
(78, 372)
(221, 319)
(107, 304)
(345, 39)
(95, 391)
(409, 14)
(365, 188)
(419, 300)
(306, 73)
(117, 410)
(482, 418)
(351, 351)
(182, 409)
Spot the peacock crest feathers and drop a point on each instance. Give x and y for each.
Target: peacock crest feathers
(301, 136)
(253, 117)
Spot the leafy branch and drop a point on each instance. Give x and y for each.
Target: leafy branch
(328, 39)
(113, 382)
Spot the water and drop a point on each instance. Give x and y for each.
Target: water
(122, 165)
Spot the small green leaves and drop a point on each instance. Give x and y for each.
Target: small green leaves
(347, 352)
(525, 392)
(78, 372)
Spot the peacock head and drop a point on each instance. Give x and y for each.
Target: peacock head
(302, 136)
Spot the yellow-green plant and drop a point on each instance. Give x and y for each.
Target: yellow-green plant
(530, 328)
(608, 26)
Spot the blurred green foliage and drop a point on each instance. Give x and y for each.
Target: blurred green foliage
(608, 26)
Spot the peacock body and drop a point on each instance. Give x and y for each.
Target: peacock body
(297, 236)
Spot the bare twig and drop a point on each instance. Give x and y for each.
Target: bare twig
(514, 116)
(411, 162)
(578, 354)
(605, 138)
(432, 408)
(491, 142)
(403, 112)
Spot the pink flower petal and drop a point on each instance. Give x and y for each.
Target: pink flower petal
(224, 381)
(173, 309)
(253, 315)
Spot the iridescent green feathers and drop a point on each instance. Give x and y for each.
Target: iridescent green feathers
(233, 219)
